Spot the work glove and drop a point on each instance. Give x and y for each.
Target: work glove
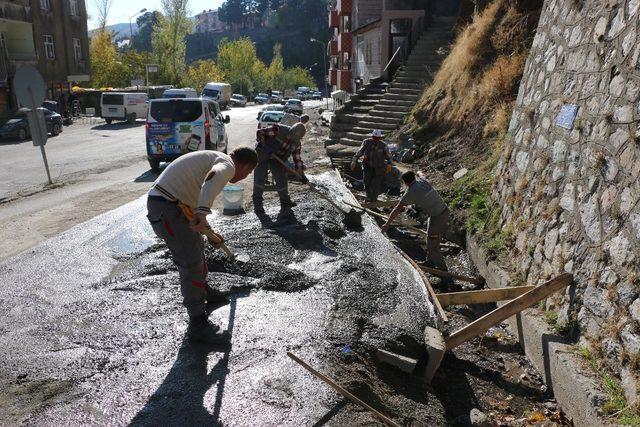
(389, 168)
(354, 165)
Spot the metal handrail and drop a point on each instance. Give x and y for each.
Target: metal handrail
(392, 58)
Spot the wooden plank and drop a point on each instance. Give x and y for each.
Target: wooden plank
(482, 296)
(337, 387)
(442, 273)
(427, 284)
(386, 218)
(507, 310)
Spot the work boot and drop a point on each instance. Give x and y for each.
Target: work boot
(259, 209)
(216, 297)
(202, 330)
(287, 204)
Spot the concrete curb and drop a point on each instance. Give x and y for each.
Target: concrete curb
(566, 373)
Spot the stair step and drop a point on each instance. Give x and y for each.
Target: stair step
(396, 114)
(342, 150)
(367, 127)
(407, 85)
(362, 109)
(378, 120)
(403, 96)
(403, 90)
(407, 80)
(355, 136)
(394, 102)
(341, 127)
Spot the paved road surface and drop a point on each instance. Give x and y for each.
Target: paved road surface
(95, 167)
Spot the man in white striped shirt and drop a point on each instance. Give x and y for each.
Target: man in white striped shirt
(186, 190)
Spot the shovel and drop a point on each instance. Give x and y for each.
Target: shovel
(437, 344)
(352, 218)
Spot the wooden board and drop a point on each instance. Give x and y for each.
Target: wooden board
(482, 296)
(524, 301)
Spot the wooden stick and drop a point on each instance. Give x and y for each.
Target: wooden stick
(343, 391)
(386, 218)
(314, 189)
(482, 296)
(507, 310)
(213, 239)
(380, 204)
(427, 284)
(442, 273)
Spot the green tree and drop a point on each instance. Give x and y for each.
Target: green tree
(168, 40)
(298, 76)
(106, 68)
(236, 59)
(232, 11)
(275, 73)
(141, 41)
(199, 73)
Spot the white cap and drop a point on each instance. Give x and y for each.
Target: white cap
(377, 133)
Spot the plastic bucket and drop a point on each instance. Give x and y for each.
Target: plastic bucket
(232, 196)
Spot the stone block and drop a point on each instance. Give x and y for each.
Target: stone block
(634, 310)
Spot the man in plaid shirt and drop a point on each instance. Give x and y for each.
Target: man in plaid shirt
(282, 141)
(376, 162)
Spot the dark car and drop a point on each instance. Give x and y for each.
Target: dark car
(18, 126)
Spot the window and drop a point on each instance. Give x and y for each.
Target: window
(112, 99)
(49, 48)
(45, 4)
(176, 110)
(77, 50)
(73, 7)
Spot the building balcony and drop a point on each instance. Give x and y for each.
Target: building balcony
(334, 20)
(333, 77)
(15, 12)
(343, 81)
(345, 41)
(333, 48)
(344, 7)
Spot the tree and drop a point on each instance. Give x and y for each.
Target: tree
(106, 69)
(102, 10)
(168, 40)
(199, 73)
(146, 23)
(275, 73)
(232, 11)
(236, 59)
(298, 76)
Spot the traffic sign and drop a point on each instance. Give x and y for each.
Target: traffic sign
(152, 68)
(29, 86)
(37, 126)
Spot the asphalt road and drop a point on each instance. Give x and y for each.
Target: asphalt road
(93, 330)
(95, 167)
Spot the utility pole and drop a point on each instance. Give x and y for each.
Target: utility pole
(325, 70)
(131, 26)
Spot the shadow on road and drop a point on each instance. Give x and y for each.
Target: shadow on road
(180, 398)
(118, 126)
(148, 176)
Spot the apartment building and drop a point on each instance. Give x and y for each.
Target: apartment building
(208, 21)
(367, 35)
(48, 34)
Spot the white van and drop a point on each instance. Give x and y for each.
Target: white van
(219, 92)
(176, 126)
(123, 106)
(186, 92)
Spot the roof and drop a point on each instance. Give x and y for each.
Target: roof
(372, 25)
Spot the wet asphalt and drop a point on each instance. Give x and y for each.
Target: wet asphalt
(93, 331)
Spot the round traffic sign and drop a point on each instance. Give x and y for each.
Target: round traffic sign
(29, 86)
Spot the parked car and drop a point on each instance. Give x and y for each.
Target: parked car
(177, 126)
(279, 108)
(261, 98)
(219, 92)
(268, 118)
(316, 96)
(18, 125)
(186, 92)
(276, 96)
(123, 106)
(238, 100)
(293, 106)
(303, 92)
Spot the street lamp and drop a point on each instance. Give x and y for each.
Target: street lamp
(131, 26)
(324, 61)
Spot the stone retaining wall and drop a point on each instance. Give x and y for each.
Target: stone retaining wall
(570, 194)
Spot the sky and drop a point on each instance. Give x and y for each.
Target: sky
(121, 10)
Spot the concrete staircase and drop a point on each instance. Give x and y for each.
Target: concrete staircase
(382, 106)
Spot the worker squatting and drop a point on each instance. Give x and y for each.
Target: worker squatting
(181, 198)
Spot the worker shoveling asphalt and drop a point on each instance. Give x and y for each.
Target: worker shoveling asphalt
(178, 205)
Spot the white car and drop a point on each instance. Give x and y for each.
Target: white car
(268, 118)
(123, 106)
(238, 100)
(293, 106)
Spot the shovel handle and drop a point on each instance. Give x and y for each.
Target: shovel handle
(215, 240)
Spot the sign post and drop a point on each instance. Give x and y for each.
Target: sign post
(30, 90)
